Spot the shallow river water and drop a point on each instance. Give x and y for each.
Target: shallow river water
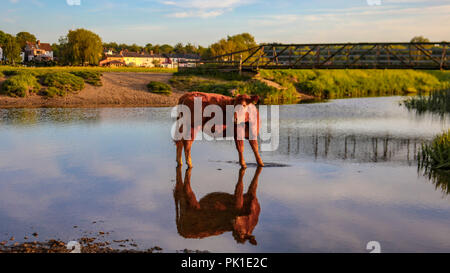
(350, 177)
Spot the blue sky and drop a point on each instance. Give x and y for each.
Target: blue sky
(206, 21)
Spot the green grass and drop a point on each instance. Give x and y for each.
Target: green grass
(53, 92)
(20, 85)
(90, 77)
(202, 84)
(436, 102)
(64, 81)
(215, 74)
(329, 84)
(159, 88)
(434, 160)
(268, 95)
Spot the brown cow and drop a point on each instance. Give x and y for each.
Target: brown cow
(207, 99)
(217, 213)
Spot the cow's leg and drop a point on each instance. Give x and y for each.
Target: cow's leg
(188, 145)
(187, 152)
(254, 144)
(240, 148)
(191, 198)
(239, 191)
(179, 145)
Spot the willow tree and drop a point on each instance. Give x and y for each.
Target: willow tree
(11, 49)
(84, 47)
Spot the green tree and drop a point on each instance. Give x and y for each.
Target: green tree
(233, 43)
(11, 50)
(420, 39)
(190, 48)
(111, 45)
(24, 37)
(166, 49)
(148, 48)
(2, 41)
(2, 38)
(61, 51)
(134, 48)
(84, 47)
(179, 48)
(417, 54)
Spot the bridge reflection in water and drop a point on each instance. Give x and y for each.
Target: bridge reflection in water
(362, 148)
(217, 212)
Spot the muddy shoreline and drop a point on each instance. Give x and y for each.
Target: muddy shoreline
(119, 89)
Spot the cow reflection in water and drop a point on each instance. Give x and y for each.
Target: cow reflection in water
(217, 212)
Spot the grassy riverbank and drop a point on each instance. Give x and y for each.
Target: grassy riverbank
(329, 84)
(287, 86)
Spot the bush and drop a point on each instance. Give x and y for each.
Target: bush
(53, 92)
(91, 77)
(20, 85)
(64, 81)
(159, 88)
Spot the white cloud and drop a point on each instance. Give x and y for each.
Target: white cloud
(200, 13)
(202, 8)
(374, 23)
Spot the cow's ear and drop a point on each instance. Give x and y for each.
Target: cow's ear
(255, 99)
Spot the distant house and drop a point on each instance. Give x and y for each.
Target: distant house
(183, 60)
(112, 62)
(1, 54)
(38, 52)
(107, 52)
(138, 59)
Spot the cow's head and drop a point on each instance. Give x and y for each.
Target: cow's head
(244, 104)
(242, 230)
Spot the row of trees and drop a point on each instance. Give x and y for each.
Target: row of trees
(83, 47)
(179, 48)
(227, 45)
(12, 45)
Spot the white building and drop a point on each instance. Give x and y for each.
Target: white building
(1, 54)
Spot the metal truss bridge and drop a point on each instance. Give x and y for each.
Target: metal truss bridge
(429, 56)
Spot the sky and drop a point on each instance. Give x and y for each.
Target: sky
(203, 22)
